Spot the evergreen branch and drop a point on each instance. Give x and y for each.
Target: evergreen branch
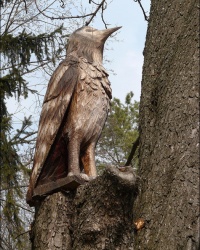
(32, 63)
(22, 139)
(19, 206)
(5, 243)
(20, 48)
(7, 188)
(13, 83)
(45, 61)
(110, 155)
(114, 146)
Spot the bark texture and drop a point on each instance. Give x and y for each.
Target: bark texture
(52, 228)
(98, 216)
(169, 114)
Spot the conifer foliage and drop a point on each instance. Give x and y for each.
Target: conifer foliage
(119, 133)
(18, 46)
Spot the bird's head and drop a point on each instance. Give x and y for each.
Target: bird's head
(89, 42)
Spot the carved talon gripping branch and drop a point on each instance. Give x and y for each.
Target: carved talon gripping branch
(74, 111)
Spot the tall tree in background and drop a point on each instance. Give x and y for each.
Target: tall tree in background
(169, 114)
(119, 133)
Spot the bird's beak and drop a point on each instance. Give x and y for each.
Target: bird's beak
(104, 34)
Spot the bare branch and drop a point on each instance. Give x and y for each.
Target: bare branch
(20, 206)
(30, 19)
(144, 13)
(22, 234)
(102, 17)
(94, 14)
(25, 6)
(60, 17)
(62, 4)
(93, 2)
(9, 22)
(133, 150)
(117, 162)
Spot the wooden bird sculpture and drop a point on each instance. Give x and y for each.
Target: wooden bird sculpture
(74, 111)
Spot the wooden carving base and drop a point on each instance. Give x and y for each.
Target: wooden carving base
(67, 183)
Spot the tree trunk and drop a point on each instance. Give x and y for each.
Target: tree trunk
(52, 228)
(169, 159)
(97, 216)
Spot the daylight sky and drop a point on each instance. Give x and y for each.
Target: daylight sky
(124, 55)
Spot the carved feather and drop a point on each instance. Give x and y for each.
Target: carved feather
(56, 101)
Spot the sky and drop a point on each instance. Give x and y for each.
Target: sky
(125, 55)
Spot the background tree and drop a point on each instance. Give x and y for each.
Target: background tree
(119, 133)
(169, 114)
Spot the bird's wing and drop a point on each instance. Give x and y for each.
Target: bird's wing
(56, 101)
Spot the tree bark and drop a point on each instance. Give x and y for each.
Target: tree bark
(52, 227)
(98, 215)
(169, 112)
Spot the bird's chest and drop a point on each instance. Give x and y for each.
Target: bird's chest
(90, 102)
(93, 89)
(90, 98)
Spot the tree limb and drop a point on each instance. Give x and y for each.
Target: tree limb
(3, 189)
(144, 13)
(135, 145)
(22, 233)
(8, 24)
(19, 206)
(60, 17)
(94, 14)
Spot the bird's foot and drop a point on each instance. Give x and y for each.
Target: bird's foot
(73, 173)
(81, 175)
(85, 176)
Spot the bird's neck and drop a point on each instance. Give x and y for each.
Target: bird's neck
(91, 54)
(90, 51)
